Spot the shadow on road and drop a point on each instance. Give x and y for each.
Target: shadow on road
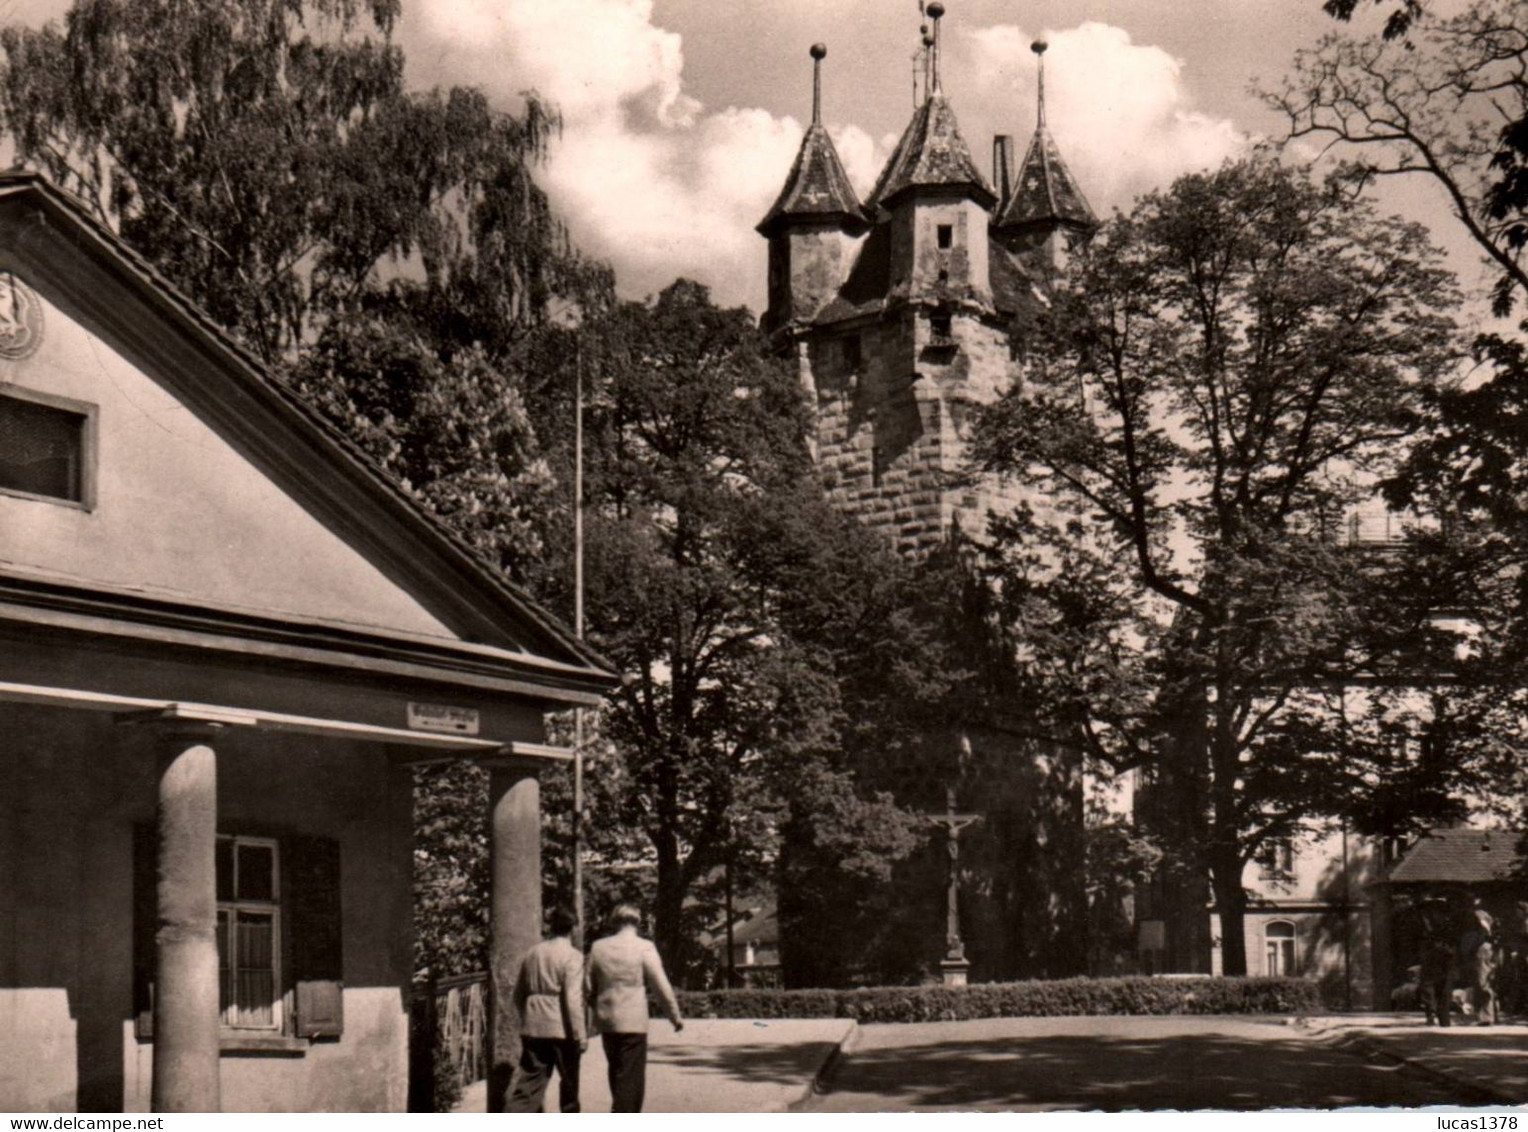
(754, 1064)
(1121, 1073)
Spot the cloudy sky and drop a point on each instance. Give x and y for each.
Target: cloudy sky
(682, 116)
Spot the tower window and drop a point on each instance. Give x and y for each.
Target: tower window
(946, 235)
(942, 325)
(45, 446)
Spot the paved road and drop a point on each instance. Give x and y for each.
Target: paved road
(1114, 1063)
(715, 1065)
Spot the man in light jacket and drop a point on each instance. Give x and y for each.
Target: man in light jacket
(549, 997)
(623, 967)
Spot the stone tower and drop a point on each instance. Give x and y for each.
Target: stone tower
(902, 314)
(902, 311)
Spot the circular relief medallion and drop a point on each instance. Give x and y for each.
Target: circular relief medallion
(20, 318)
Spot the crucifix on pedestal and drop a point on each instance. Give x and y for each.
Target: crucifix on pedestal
(954, 967)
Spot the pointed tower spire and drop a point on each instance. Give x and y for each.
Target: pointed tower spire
(1045, 194)
(935, 14)
(1039, 47)
(819, 53)
(931, 153)
(817, 190)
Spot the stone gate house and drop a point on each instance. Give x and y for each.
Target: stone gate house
(224, 637)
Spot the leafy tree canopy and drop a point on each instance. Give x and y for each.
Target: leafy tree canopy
(1221, 379)
(741, 603)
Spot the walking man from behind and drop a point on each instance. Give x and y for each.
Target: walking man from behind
(549, 997)
(623, 968)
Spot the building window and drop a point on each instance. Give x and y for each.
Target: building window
(942, 325)
(1276, 858)
(946, 235)
(45, 446)
(249, 931)
(1279, 948)
(279, 937)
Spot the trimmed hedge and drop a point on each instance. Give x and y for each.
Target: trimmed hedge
(1035, 999)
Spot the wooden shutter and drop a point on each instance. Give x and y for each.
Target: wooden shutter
(310, 898)
(145, 915)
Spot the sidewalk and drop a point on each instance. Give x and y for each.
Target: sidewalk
(1489, 1061)
(716, 1065)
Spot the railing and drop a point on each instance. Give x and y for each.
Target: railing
(450, 1034)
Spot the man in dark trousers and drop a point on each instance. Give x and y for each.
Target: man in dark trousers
(1435, 976)
(623, 968)
(549, 997)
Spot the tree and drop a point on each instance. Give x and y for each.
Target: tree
(267, 157)
(720, 578)
(1221, 379)
(1443, 97)
(388, 252)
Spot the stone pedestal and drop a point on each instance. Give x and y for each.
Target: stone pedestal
(514, 801)
(954, 972)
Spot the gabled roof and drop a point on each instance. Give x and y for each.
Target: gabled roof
(1045, 192)
(817, 189)
(58, 242)
(1459, 856)
(931, 154)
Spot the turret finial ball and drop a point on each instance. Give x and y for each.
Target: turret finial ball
(1039, 46)
(935, 10)
(819, 51)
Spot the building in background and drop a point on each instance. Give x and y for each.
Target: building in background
(903, 314)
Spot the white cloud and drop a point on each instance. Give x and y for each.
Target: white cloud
(1118, 110)
(662, 186)
(644, 175)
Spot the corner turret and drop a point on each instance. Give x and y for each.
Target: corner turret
(813, 225)
(1045, 211)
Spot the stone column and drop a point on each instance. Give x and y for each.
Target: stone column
(514, 824)
(186, 1008)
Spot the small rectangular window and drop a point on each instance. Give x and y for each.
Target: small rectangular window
(44, 446)
(946, 235)
(942, 325)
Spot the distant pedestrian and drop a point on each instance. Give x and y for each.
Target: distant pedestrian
(549, 997)
(623, 968)
(1512, 962)
(1479, 948)
(1433, 978)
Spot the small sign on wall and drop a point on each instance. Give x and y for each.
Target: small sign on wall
(442, 718)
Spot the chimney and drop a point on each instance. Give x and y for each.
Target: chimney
(1002, 168)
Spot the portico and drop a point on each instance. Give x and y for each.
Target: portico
(225, 639)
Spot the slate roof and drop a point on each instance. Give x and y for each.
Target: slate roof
(817, 188)
(349, 458)
(1458, 856)
(1044, 191)
(931, 154)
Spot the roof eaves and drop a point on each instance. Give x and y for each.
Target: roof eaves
(14, 182)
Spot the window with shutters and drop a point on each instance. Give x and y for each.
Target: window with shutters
(46, 447)
(278, 934)
(249, 933)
